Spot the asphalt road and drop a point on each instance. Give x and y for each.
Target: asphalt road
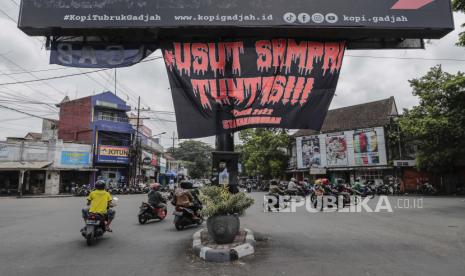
(41, 237)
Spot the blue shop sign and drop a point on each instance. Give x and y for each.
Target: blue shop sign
(74, 158)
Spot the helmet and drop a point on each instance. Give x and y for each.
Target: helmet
(100, 185)
(154, 186)
(186, 184)
(293, 179)
(325, 181)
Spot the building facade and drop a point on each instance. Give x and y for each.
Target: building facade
(353, 143)
(100, 121)
(43, 167)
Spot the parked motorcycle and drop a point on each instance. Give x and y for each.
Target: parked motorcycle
(83, 190)
(427, 189)
(184, 217)
(363, 191)
(148, 212)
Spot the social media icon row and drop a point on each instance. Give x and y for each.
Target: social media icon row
(304, 18)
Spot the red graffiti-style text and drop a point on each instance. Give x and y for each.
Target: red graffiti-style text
(281, 54)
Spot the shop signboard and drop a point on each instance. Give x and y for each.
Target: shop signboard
(75, 158)
(113, 154)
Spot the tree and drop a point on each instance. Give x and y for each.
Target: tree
(459, 5)
(198, 154)
(264, 151)
(437, 124)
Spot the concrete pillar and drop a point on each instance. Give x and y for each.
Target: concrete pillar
(21, 181)
(52, 182)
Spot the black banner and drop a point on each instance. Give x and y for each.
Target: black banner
(98, 54)
(225, 86)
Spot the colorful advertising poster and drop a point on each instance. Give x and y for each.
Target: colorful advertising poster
(336, 150)
(311, 155)
(366, 147)
(225, 86)
(113, 154)
(75, 158)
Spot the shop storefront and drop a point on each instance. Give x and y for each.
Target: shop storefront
(73, 163)
(111, 163)
(9, 183)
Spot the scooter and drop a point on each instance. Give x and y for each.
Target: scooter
(184, 217)
(147, 212)
(95, 225)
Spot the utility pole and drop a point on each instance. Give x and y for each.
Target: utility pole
(137, 143)
(115, 80)
(173, 137)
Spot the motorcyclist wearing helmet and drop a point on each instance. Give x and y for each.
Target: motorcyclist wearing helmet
(156, 199)
(99, 201)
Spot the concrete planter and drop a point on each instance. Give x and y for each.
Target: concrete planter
(223, 229)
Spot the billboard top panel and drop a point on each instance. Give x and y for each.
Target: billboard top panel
(339, 19)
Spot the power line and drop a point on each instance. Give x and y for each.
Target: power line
(52, 78)
(23, 112)
(14, 2)
(34, 71)
(14, 63)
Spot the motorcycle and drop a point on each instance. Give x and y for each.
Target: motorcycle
(82, 191)
(427, 189)
(333, 191)
(95, 225)
(184, 217)
(363, 191)
(148, 212)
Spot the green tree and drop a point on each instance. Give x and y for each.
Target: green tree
(264, 151)
(437, 124)
(459, 5)
(199, 155)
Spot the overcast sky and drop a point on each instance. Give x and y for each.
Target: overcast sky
(362, 79)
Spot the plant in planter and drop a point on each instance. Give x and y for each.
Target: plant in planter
(223, 210)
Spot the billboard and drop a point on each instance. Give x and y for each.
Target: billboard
(388, 18)
(310, 152)
(366, 147)
(113, 154)
(336, 150)
(75, 158)
(350, 148)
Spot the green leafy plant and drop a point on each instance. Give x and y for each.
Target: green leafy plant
(218, 201)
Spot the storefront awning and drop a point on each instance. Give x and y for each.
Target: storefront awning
(75, 169)
(360, 168)
(24, 165)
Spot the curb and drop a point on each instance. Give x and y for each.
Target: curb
(43, 196)
(223, 255)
